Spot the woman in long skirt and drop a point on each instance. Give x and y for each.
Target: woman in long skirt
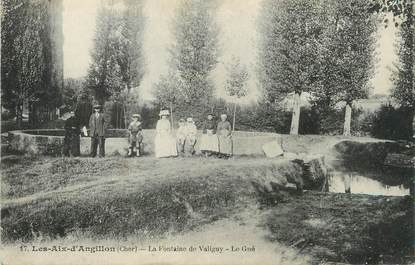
(224, 131)
(209, 141)
(164, 142)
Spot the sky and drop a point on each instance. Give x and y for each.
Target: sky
(238, 37)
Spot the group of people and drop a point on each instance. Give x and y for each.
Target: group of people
(216, 137)
(97, 128)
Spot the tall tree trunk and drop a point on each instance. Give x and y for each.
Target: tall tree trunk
(295, 120)
(234, 116)
(125, 115)
(19, 116)
(347, 120)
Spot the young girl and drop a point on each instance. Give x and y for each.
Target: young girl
(135, 137)
(181, 136)
(190, 141)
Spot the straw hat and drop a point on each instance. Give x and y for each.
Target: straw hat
(97, 106)
(164, 113)
(190, 120)
(138, 116)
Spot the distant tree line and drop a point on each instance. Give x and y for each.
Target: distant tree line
(322, 47)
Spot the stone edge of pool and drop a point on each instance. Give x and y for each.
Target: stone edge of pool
(41, 142)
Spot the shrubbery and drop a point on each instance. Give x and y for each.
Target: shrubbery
(391, 123)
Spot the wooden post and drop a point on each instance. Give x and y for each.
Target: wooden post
(234, 113)
(171, 115)
(295, 120)
(347, 120)
(347, 181)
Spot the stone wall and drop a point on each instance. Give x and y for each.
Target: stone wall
(49, 142)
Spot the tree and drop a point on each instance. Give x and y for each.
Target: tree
(117, 59)
(104, 74)
(236, 83)
(26, 58)
(401, 9)
(404, 74)
(131, 59)
(349, 55)
(169, 92)
(194, 52)
(289, 53)
(72, 91)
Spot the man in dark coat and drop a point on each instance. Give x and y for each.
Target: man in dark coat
(97, 126)
(71, 142)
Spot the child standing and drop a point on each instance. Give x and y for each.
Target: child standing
(191, 132)
(181, 136)
(135, 137)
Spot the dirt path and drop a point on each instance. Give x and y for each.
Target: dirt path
(239, 239)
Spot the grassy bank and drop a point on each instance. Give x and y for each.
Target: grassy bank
(55, 199)
(348, 228)
(119, 197)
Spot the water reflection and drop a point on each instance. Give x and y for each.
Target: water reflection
(363, 185)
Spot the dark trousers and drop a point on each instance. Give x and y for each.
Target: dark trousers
(71, 145)
(95, 142)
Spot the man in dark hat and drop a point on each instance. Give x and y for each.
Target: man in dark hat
(97, 131)
(71, 142)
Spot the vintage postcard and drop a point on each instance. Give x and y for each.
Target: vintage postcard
(207, 132)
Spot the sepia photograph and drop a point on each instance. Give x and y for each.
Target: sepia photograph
(207, 132)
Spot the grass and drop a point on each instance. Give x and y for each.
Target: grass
(346, 228)
(117, 197)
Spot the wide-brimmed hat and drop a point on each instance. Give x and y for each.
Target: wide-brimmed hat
(190, 120)
(97, 106)
(224, 115)
(181, 120)
(137, 116)
(164, 112)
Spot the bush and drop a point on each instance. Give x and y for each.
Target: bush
(262, 117)
(391, 123)
(7, 115)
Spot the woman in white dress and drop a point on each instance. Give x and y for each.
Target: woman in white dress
(164, 142)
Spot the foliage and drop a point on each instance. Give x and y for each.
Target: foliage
(117, 61)
(289, 52)
(263, 117)
(349, 52)
(237, 77)
(72, 90)
(104, 74)
(236, 82)
(400, 9)
(391, 123)
(194, 54)
(131, 59)
(168, 91)
(404, 74)
(26, 57)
